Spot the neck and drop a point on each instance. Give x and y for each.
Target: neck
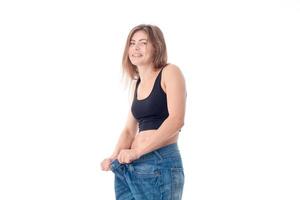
(146, 72)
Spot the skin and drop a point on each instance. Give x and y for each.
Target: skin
(132, 145)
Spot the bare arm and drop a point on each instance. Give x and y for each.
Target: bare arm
(125, 140)
(127, 136)
(128, 133)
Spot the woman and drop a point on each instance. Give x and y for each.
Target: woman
(146, 161)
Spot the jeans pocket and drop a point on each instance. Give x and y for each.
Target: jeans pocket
(177, 175)
(146, 179)
(145, 170)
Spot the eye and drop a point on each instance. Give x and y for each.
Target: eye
(131, 43)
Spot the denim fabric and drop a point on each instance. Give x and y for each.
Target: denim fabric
(157, 175)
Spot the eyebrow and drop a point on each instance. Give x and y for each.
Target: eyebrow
(139, 39)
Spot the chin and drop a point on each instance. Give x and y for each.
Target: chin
(136, 63)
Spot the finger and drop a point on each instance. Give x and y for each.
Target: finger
(127, 159)
(124, 157)
(106, 168)
(105, 165)
(105, 161)
(120, 158)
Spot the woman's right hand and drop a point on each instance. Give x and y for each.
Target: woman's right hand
(105, 164)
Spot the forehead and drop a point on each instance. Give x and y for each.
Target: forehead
(139, 35)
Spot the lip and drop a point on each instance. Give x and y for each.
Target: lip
(137, 55)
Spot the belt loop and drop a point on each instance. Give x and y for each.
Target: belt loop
(158, 155)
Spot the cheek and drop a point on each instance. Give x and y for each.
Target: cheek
(150, 52)
(129, 50)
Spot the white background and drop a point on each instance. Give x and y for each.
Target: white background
(63, 103)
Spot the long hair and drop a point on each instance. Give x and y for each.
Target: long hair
(159, 56)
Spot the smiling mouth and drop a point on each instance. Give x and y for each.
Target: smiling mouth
(137, 55)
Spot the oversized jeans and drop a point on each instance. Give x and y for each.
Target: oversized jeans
(157, 175)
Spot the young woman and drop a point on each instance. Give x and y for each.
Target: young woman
(146, 161)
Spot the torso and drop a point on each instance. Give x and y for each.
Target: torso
(142, 137)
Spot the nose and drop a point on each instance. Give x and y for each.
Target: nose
(137, 46)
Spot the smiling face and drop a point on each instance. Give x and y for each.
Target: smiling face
(140, 49)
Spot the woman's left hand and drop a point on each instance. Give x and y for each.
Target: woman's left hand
(127, 156)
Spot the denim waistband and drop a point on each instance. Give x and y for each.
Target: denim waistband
(159, 154)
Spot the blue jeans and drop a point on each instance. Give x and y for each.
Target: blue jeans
(157, 175)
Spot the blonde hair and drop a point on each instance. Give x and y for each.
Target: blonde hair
(159, 56)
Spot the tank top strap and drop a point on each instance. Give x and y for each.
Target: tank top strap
(158, 79)
(136, 85)
(159, 75)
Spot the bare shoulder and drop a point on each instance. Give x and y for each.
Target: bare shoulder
(172, 74)
(171, 67)
(175, 90)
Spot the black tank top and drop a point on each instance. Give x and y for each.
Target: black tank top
(151, 111)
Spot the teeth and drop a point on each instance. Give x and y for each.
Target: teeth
(137, 55)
